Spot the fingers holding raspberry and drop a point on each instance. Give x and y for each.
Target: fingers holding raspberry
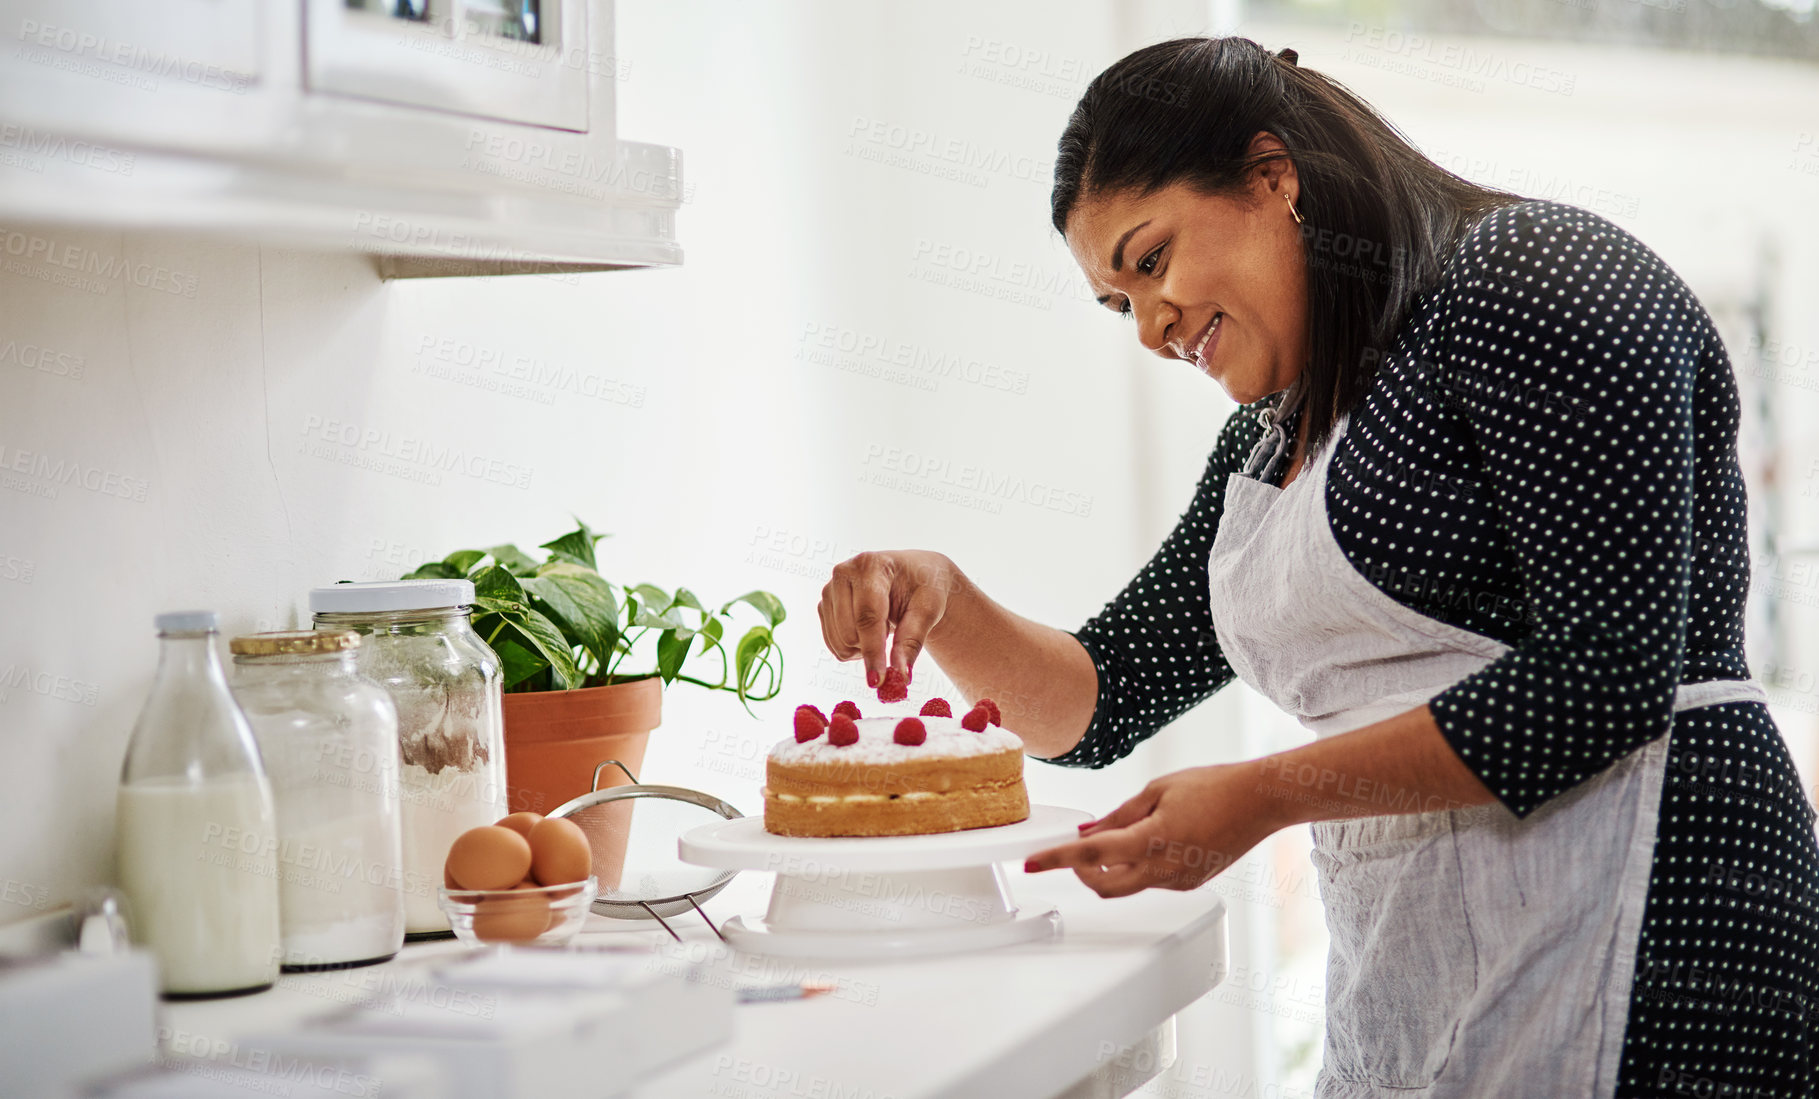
(881, 607)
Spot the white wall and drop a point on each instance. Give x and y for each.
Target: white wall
(727, 454)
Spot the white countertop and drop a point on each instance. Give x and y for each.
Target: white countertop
(1026, 1020)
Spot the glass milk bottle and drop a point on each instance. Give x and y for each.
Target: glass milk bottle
(196, 838)
(418, 642)
(329, 739)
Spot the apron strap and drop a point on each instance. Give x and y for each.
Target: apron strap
(1271, 448)
(1716, 692)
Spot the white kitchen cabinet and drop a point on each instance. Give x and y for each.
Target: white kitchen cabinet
(441, 136)
(512, 60)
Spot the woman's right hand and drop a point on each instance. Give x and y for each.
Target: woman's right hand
(894, 598)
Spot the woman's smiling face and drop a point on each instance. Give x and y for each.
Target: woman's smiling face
(1217, 281)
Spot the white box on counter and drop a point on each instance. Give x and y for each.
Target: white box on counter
(532, 1024)
(69, 1017)
(295, 1078)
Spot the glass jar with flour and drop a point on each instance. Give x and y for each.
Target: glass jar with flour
(419, 644)
(329, 738)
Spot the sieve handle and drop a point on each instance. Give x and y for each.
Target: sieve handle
(613, 763)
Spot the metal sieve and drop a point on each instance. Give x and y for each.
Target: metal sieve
(633, 832)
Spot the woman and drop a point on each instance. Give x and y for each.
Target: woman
(1479, 525)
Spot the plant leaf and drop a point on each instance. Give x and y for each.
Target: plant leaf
(487, 605)
(464, 560)
(581, 604)
(513, 559)
(654, 597)
(434, 570)
(496, 584)
(658, 609)
(669, 620)
(519, 665)
(754, 644)
(711, 632)
(541, 635)
(498, 592)
(516, 662)
(672, 650)
(765, 603)
(575, 547)
(686, 598)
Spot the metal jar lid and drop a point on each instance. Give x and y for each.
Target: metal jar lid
(294, 643)
(380, 596)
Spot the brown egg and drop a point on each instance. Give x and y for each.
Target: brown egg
(555, 916)
(511, 919)
(559, 852)
(521, 823)
(489, 857)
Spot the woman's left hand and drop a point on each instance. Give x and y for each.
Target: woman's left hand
(1183, 829)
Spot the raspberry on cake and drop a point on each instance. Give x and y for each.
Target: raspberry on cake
(910, 731)
(937, 707)
(887, 781)
(809, 723)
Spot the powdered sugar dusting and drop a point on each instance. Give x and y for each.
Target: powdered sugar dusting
(945, 739)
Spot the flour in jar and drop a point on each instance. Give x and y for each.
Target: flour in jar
(437, 808)
(445, 684)
(338, 886)
(450, 782)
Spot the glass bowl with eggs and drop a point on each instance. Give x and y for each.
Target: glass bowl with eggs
(526, 880)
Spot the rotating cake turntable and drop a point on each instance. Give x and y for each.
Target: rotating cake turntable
(884, 896)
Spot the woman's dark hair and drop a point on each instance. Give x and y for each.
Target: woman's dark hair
(1379, 217)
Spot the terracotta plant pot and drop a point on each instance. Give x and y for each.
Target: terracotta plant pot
(555, 739)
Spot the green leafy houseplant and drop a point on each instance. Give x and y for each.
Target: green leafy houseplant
(558, 624)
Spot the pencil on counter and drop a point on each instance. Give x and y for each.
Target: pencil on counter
(766, 994)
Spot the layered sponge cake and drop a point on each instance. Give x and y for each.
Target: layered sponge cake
(886, 776)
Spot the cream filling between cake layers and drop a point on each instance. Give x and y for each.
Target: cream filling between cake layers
(829, 799)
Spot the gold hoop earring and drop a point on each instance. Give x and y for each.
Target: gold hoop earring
(1299, 220)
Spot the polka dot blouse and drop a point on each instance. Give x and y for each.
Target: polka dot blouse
(1547, 456)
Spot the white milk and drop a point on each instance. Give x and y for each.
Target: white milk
(437, 809)
(198, 864)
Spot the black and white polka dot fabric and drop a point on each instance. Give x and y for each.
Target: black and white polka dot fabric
(1548, 457)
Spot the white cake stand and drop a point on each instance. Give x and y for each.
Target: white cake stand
(892, 896)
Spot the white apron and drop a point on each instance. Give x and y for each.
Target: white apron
(1473, 954)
